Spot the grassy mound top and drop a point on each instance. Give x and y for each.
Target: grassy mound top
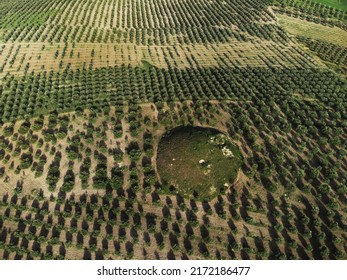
(197, 162)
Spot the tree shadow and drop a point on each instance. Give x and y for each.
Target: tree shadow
(86, 254)
(171, 255)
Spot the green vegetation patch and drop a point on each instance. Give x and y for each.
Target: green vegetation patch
(197, 162)
(338, 4)
(309, 4)
(146, 65)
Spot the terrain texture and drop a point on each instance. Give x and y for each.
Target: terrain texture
(91, 93)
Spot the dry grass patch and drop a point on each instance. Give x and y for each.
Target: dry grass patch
(312, 30)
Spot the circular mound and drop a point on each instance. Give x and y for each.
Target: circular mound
(197, 162)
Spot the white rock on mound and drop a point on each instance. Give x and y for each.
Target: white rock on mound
(227, 153)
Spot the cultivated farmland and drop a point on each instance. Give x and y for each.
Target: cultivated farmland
(173, 129)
